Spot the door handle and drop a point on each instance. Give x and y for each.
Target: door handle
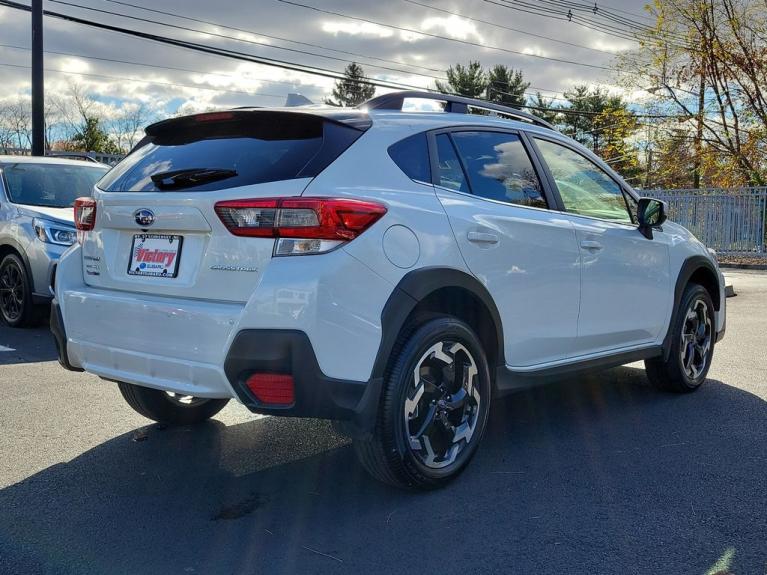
(591, 245)
(483, 238)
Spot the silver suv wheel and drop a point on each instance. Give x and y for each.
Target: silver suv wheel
(441, 411)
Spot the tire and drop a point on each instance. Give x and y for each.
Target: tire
(16, 306)
(451, 401)
(163, 407)
(692, 345)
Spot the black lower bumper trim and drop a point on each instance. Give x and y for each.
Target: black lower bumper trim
(316, 395)
(60, 336)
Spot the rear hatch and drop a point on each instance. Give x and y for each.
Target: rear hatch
(156, 229)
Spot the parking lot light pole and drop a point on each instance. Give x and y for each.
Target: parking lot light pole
(38, 90)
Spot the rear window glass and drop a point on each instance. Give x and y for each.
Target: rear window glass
(50, 185)
(412, 157)
(250, 148)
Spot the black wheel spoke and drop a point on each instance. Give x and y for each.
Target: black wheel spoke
(696, 339)
(443, 404)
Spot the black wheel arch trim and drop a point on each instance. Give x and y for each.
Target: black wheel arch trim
(60, 337)
(413, 288)
(14, 245)
(690, 266)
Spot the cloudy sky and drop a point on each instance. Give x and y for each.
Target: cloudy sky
(384, 38)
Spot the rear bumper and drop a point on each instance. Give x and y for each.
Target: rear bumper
(316, 395)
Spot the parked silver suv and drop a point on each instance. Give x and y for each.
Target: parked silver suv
(36, 226)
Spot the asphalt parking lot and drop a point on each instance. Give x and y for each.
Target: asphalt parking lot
(598, 475)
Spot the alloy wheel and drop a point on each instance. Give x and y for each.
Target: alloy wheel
(185, 400)
(11, 291)
(697, 333)
(443, 406)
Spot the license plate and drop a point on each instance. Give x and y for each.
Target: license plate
(155, 255)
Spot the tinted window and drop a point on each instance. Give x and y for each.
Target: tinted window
(412, 157)
(50, 185)
(252, 148)
(450, 174)
(499, 168)
(584, 187)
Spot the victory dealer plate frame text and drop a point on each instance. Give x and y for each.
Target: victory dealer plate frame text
(155, 255)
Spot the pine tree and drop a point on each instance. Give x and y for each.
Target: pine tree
(469, 81)
(351, 90)
(506, 86)
(544, 108)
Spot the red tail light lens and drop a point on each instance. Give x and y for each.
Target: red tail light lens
(309, 218)
(272, 388)
(85, 214)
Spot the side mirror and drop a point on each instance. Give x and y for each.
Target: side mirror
(651, 213)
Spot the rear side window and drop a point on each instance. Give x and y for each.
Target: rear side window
(412, 157)
(450, 173)
(499, 168)
(232, 150)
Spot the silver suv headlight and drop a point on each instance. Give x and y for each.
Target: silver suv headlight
(52, 233)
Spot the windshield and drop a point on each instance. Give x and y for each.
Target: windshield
(50, 185)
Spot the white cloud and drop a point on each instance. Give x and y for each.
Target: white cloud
(76, 65)
(533, 51)
(356, 29)
(453, 26)
(613, 47)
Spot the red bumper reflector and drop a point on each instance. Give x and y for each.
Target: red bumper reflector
(272, 388)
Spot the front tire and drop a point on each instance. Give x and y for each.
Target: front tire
(16, 307)
(692, 345)
(169, 408)
(433, 410)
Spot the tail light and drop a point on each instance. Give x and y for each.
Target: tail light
(85, 216)
(300, 225)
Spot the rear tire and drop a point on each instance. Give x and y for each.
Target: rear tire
(16, 307)
(428, 429)
(168, 408)
(692, 345)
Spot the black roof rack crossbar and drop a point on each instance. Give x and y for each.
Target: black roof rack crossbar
(454, 104)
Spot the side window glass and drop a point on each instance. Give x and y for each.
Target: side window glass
(584, 187)
(412, 157)
(450, 173)
(499, 168)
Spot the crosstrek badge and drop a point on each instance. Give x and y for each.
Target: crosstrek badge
(155, 255)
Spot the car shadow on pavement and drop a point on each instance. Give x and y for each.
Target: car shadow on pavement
(26, 345)
(598, 475)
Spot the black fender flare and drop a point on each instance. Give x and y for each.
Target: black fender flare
(690, 266)
(10, 242)
(414, 287)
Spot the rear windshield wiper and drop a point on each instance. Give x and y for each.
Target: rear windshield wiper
(190, 177)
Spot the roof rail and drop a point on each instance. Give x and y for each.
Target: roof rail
(454, 104)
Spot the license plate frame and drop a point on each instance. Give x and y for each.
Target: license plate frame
(152, 268)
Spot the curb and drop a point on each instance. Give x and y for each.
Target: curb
(725, 266)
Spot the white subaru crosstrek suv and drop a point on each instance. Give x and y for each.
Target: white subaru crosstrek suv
(389, 270)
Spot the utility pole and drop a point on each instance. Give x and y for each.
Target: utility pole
(38, 90)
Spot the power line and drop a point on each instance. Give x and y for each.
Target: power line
(203, 48)
(503, 27)
(243, 40)
(133, 63)
(430, 35)
(144, 81)
(271, 37)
